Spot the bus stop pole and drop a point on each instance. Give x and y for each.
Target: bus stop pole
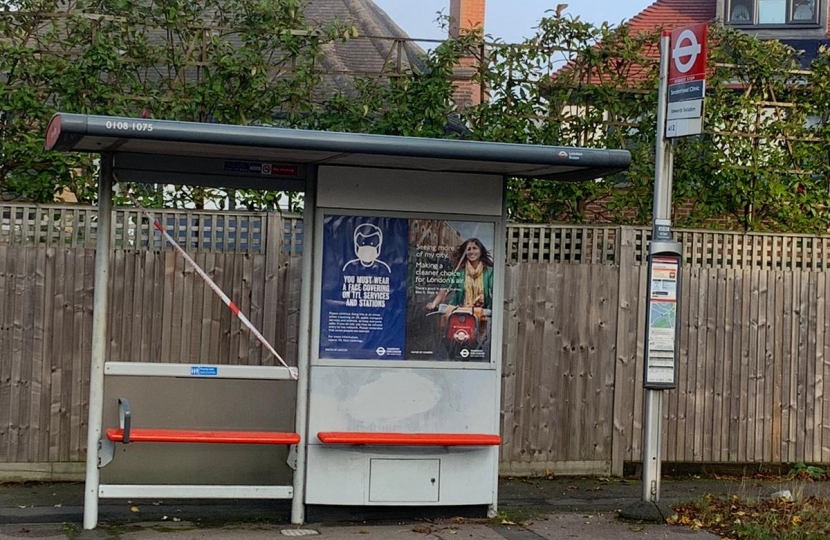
(650, 508)
(99, 341)
(652, 423)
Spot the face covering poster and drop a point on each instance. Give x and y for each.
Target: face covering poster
(406, 289)
(363, 313)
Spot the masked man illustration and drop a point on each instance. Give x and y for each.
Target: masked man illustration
(368, 240)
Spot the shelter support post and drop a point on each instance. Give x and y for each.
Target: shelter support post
(498, 343)
(99, 341)
(304, 350)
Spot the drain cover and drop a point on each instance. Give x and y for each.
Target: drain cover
(299, 532)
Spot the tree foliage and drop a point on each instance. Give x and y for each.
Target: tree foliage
(762, 163)
(227, 61)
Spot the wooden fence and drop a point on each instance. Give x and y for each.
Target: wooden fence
(754, 342)
(755, 335)
(160, 310)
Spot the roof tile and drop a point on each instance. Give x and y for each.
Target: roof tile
(669, 14)
(369, 53)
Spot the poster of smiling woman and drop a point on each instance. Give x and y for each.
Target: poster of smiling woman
(450, 290)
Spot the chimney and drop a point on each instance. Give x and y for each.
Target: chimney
(466, 15)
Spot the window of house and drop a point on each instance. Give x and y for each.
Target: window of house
(773, 12)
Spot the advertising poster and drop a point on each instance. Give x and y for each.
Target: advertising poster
(363, 311)
(450, 290)
(406, 289)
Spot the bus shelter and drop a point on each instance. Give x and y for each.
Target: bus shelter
(394, 396)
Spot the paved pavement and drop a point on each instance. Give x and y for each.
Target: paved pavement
(557, 526)
(530, 509)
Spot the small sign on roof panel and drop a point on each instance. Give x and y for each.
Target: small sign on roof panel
(259, 168)
(204, 371)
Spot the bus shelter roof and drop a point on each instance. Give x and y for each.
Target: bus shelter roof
(288, 152)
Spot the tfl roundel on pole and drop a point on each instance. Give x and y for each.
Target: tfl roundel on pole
(686, 81)
(688, 54)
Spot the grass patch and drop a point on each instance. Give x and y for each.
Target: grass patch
(802, 471)
(769, 519)
(71, 530)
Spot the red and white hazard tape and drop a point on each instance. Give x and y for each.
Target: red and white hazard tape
(213, 286)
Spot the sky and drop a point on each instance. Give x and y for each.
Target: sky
(510, 20)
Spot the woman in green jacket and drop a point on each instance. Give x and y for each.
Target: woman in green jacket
(471, 284)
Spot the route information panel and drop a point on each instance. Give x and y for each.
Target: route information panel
(662, 321)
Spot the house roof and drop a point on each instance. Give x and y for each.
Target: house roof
(669, 14)
(373, 52)
(369, 52)
(662, 14)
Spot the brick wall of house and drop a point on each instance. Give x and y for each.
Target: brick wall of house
(597, 212)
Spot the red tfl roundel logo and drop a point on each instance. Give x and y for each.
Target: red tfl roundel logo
(688, 54)
(685, 52)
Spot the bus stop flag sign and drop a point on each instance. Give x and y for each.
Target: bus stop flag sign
(687, 81)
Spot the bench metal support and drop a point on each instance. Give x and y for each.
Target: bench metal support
(106, 452)
(149, 491)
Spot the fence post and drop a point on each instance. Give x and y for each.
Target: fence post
(625, 358)
(273, 242)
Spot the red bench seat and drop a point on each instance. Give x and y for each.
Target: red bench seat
(191, 436)
(409, 439)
